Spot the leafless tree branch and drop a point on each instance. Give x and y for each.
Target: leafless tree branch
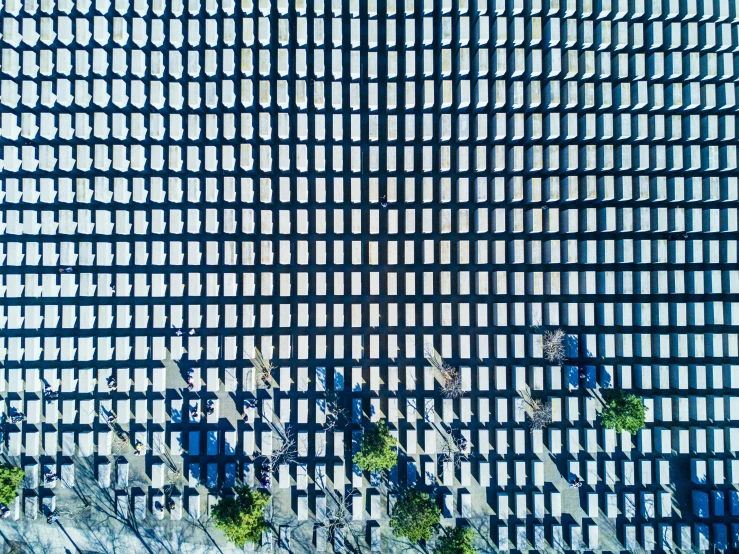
(455, 450)
(553, 344)
(536, 324)
(174, 473)
(264, 367)
(285, 453)
(120, 441)
(541, 414)
(336, 414)
(451, 378)
(433, 357)
(338, 513)
(451, 381)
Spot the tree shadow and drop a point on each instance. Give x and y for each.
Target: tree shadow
(201, 524)
(91, 531)
(86, 480)
(481, 525)
(106, 512)
(403, 545)
(64, 531)
(170, 363)
(169, 539)
(354, 538)
(130, 521)
(30, 538)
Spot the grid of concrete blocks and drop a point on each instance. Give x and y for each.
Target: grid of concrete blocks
(342, 186)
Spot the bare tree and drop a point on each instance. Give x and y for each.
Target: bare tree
(338, 513)
(338, 522)
(539, 411)
(541, 414)
(536, 323)
(120, 441)
(451, 381)
(263, 367)
(553, 343)
(173, 467)
(75, 510)
(174, 473)
(455, 450)
(266, 371)
(336, 414)
(285, 453)
(433, 357)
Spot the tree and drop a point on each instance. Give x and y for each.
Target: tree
(264, 368)
(454, 449)
(623, 411)
(541, 414)
(10, 478)
(377, 449)
(338, 513)
(336, 415)
(415, 516)
(553, 344)
(451, 381)
(457, 540)
(242, 518)
(284, 452)
(539, 411)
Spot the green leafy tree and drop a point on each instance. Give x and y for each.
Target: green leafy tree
(10, 478)
(415, 516)
(456, 541)
(377, 451)
(623, 411)
(242, 518)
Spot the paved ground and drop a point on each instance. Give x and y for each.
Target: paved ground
(341, 184)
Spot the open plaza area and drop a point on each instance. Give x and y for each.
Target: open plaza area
(237, 237)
